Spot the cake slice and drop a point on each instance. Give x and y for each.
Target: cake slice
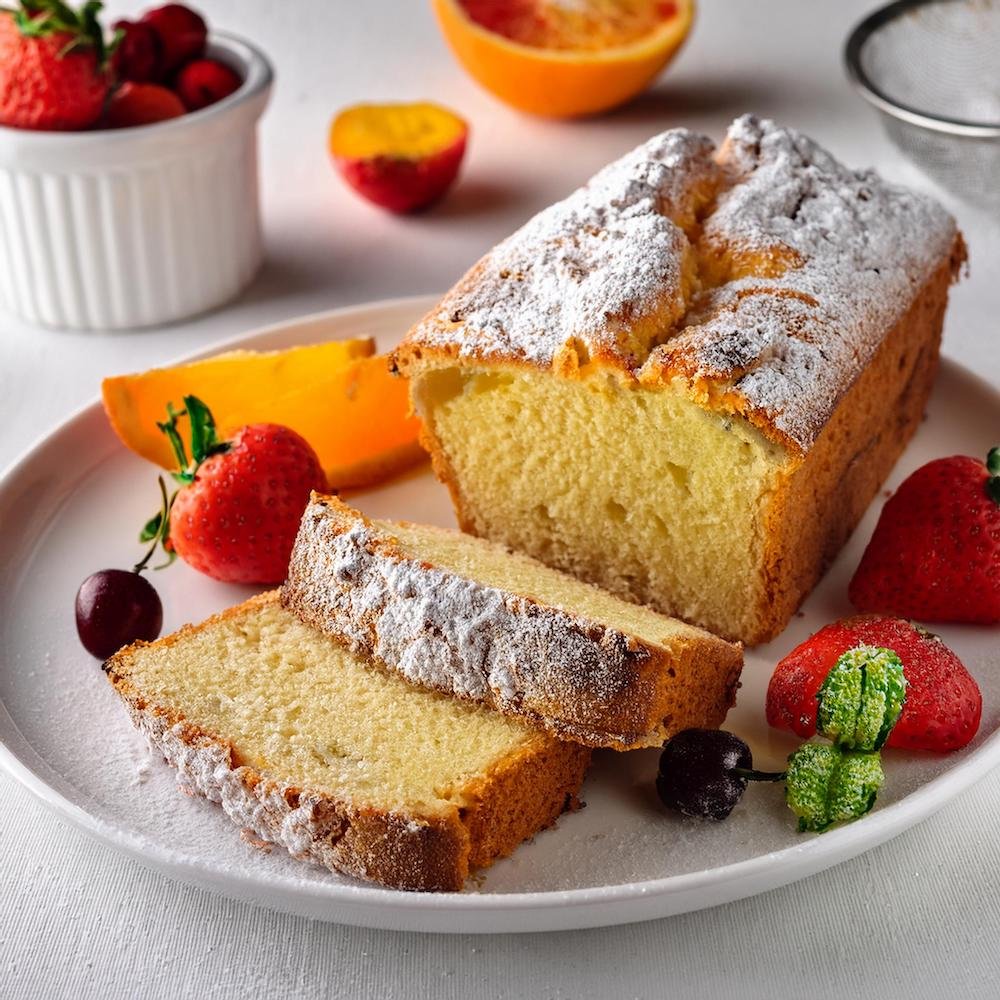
(687, 381)
(309, 746)
(461, 615)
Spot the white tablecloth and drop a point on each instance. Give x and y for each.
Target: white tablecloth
(919, 917)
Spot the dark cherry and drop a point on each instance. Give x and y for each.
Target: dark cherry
(115, 607)
(697, 772)
(182, 32)
(139, 56)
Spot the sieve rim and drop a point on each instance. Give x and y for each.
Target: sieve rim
(874, 95)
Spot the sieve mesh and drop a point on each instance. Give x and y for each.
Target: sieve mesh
(932, 68)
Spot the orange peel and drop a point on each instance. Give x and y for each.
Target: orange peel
(340, 396)
(564, 60)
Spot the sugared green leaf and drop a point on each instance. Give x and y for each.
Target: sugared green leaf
(861, 698)
(855, 786)
(825, 785)
(807, 782)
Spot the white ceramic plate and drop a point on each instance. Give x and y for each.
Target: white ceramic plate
(73, 505)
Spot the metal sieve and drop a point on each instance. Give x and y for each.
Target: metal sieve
(932, 69)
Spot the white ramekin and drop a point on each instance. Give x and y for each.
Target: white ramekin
(134, 227)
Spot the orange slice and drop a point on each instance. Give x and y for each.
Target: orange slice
(339, 396)
(564, 58)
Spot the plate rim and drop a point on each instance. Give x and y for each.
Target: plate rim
(728, 881)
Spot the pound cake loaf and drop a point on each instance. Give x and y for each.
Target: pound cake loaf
(687, 381)
(306, 745)
(470, 618)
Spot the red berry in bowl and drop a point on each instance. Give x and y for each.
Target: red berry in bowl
(53, 68)
(139, 55)
(182, 33)
(204, 82)
(115, 607)
(141, 104)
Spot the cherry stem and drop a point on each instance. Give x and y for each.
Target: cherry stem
(751, 775)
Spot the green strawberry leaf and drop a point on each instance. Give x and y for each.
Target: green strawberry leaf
(204, 437)
(151, 529)
(993, 467)
(169, 427)
(204, 443)
(807, 783)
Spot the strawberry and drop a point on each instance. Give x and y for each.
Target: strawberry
(135, 104)
(53, 66)
(205, 81)
(943, 703)
(182, 33)
(935, 552)
(237, 512)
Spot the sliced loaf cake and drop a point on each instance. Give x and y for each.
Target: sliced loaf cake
(306, 745)
(465, 616)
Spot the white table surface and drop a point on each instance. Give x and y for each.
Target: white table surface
(919, 917)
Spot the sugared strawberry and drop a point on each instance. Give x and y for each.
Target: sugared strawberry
(204, 82)
(935, 552)
(237, 513)
(53, 66)
(943, 703)
(135, 104)
(139, 54)
(182, 32)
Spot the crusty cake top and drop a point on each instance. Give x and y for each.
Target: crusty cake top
(761, 276)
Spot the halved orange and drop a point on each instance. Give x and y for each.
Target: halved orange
(564, 58)
(339, 396)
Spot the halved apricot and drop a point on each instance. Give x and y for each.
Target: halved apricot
(400, 156)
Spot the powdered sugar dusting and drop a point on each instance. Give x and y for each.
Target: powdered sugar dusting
(766, 267)
(859, 250)
(588, 268)
(452, 634)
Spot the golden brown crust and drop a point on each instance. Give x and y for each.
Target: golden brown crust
(522, 794)
(576, 678)
(822, 500)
